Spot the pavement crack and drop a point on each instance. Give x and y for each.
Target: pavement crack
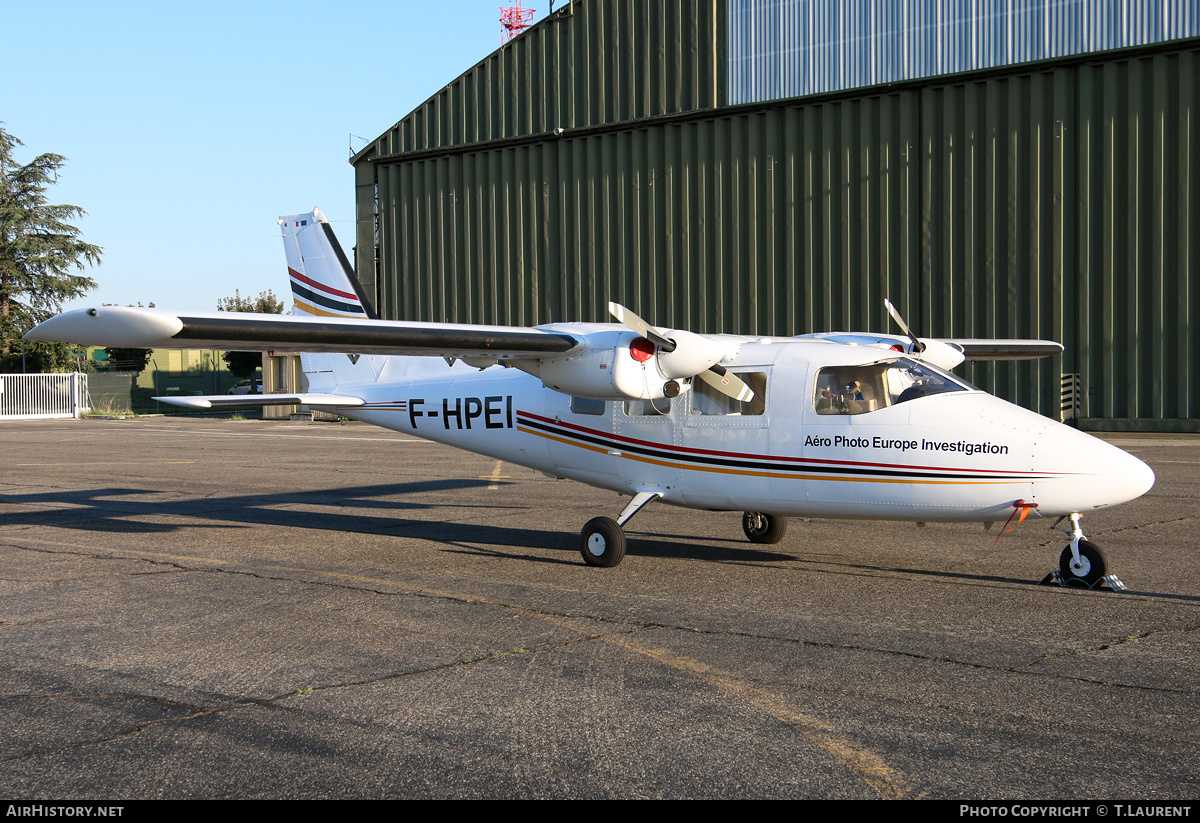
(134, 731)
(1059, 537)
(148, 698)
(193, 712)
(1019, 670)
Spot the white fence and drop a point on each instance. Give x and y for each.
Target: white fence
(25, 396)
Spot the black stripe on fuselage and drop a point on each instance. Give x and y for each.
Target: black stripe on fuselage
(796, 465)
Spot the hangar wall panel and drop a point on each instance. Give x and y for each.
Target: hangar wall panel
(790, 48)
(1059, 203)
(588, 64)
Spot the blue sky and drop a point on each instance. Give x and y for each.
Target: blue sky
(189, 128)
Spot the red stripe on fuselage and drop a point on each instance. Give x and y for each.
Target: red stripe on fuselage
(742, 456)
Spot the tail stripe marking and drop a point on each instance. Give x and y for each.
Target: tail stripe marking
(352, 308)
(310, 282)
(316, 312)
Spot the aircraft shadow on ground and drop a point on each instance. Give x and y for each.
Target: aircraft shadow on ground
(122, 510)
(125, 510)
(135, 511)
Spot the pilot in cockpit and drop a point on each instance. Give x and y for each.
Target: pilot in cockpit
(838, 393)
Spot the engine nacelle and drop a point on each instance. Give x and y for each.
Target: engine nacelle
(693, 354)
(937, 352)
(616, 365)
(940, 354)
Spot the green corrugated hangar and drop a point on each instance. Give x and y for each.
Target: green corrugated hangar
(779, 167)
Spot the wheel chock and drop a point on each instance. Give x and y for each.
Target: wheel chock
(1055, 578)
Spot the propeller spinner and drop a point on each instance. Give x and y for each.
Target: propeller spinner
(686, 355)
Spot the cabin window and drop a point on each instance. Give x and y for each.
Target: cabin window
(863, 389)
(647, 408)
(707, 400)
(586, 405)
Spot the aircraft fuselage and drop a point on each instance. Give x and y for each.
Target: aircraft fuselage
(960, 455)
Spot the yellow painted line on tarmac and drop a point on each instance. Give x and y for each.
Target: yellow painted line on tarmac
(868, 766)
(855, 758)
(495, 476)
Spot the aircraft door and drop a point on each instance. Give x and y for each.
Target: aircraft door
(789, 392)
(723, 442)
(835, 407)
(647, 445)
(577, 431)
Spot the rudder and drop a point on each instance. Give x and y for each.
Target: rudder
(322, 280)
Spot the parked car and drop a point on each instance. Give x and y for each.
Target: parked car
(244, 387)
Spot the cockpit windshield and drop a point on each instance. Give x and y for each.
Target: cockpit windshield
(862, 389)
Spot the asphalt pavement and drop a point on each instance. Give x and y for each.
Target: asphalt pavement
(197, 608)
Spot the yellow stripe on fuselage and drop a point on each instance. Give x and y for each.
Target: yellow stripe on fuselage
(672, 464)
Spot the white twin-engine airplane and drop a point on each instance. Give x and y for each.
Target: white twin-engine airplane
(820, 425)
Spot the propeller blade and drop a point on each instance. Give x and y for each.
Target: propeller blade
(918, 346)
(727, 383)
(714, 375)
(640, 327)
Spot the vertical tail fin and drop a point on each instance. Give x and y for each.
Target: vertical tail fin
(323, 285)
(322, 280)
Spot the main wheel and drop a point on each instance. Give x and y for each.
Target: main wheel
(602, 542)
(764, 528)
(1090, 569)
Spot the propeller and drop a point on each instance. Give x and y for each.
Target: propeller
(938, 352)
(686, 355)
(918, 346)
(640, 327)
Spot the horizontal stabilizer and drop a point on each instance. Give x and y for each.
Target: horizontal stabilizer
(220, 400)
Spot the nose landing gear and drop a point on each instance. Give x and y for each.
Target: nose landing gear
(1082, 564)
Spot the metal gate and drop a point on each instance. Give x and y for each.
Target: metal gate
(42, 395)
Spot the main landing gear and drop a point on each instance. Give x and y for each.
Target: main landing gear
(602, 541)
(764, 528)
(1082, 564)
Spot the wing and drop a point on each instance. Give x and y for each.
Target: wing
(118, 326)
(976, 349)
(947, 352)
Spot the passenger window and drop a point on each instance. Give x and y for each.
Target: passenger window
(862, 389)
(707, 400)
(586, 405)
(647, 408)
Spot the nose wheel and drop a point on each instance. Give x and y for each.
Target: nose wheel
(1088, 569)
(1082, 564)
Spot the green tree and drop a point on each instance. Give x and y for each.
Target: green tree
(40, 254)
(243, 364)
(45, 358)
(133, 360)
(265, 303)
